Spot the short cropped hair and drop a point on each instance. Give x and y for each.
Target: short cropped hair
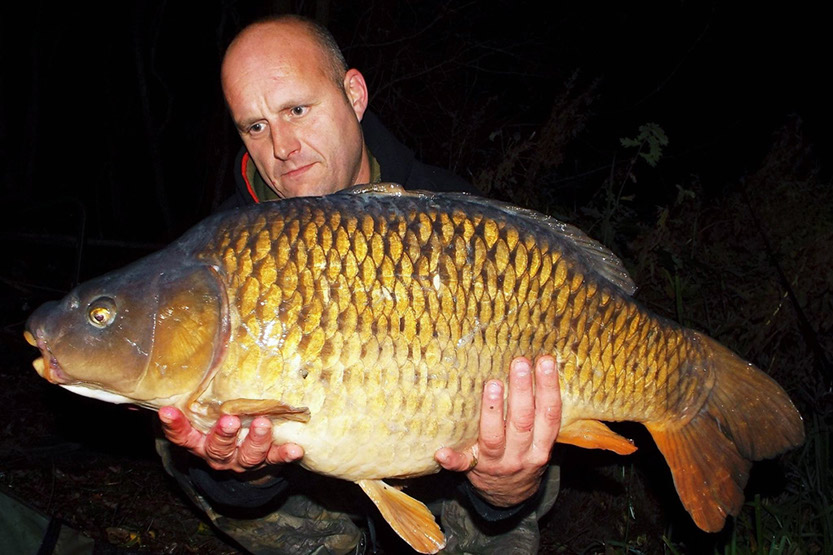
(321, 35)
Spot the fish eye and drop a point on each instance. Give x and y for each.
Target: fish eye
(101, 312)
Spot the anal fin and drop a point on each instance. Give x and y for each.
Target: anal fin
(408, 517)
(592, 434)
(708, 471)
(265, 407)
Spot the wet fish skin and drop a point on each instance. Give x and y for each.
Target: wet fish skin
(373, 320)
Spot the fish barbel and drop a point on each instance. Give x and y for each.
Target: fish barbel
(365, 323)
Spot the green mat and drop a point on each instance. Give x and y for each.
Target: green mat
(24, 530)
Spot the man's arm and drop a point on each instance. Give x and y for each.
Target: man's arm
(506, 464)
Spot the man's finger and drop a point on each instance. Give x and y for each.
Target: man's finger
(520, 412)
(173, 422)
(221, 441)
(547, 404)
(492, 440)
(178, 429)
(455, 461)
(284, 453)
(253, 449)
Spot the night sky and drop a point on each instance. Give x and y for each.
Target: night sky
(112, 115)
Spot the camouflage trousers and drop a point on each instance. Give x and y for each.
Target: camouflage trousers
(320, 516)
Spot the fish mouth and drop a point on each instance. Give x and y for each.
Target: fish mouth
(47, 365)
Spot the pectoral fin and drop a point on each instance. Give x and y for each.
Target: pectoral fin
(592, 434)
(265, 407)
(408, 517)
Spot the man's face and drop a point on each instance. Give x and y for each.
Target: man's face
(302, 130)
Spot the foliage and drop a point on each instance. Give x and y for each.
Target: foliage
(526, 164)
(799, 520)
(652, 137)
(748, 264)
(751, 268)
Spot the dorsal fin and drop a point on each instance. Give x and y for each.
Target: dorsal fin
(597, 256)
(379, 188)
(592, 253)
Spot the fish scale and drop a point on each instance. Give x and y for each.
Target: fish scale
(501, 323)
(435, 231)
(365, 324)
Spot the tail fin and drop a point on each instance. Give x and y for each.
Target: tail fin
(746, 417)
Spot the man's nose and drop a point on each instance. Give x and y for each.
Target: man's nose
(284, 141)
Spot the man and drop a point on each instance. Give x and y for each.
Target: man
(303, 119)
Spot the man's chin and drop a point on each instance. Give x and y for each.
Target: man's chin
(310, 189)
(308, 183)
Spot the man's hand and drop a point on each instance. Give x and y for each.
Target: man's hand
(219, 446)
(506, 464)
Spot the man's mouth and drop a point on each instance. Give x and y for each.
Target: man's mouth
(297, 172)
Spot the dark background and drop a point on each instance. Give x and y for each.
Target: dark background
(114, 139)
(116, 108)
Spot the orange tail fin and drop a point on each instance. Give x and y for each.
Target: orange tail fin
(746, 417)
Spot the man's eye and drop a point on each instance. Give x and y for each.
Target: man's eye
(298, 110)
(256, 128)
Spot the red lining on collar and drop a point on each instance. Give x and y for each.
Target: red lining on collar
(243, 167)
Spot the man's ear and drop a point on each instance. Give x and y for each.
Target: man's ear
(356, 90)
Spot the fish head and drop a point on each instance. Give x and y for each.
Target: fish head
(150, 333)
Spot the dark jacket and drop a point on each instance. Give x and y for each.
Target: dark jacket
(399, 165)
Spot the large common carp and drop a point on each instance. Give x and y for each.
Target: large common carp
(365, 324)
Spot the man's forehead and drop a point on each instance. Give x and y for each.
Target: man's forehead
(278, 55)
(266, 41)
(258, 72)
